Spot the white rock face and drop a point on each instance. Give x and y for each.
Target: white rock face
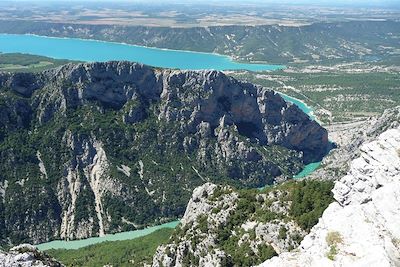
(198, 203)
(365, 218)
(96, 171)
(42, 168)
(125, 170)
(68, 217)
(174, 254)
(93, 160)
(26, 256)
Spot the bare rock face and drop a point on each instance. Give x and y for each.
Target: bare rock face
(176, 254)
(23, 83)
(349, 138)
(26, 256)
(88, 167)
(213, 216)
(192, 97)
(174, 130)
(362, 227)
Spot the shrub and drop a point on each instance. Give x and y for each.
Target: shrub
(282, 232)
(333, 239)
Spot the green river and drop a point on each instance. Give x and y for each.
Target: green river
(75, 244)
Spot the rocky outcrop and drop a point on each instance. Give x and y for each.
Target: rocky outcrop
(26, 256)
(67, 132)
(361, 228)
(185, 250)
(227, 227)
(349, 137)
(190, 96)
(89, 167)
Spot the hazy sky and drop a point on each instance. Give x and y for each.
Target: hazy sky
(295, 2)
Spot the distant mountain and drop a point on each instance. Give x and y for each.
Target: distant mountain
(319, 42)
(89, 149)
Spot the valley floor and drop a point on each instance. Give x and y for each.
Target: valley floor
(339, 93)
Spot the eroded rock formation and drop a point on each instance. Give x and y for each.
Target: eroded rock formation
(26, 255)
(173, 130)
(362, 227)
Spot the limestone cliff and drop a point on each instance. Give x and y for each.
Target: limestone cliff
(95, 148)
(223, 226)
(349, 137)
(26, 256)
(362, 227)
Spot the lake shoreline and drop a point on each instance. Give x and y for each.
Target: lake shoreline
(235, 65)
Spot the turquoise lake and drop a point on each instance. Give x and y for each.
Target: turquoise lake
(92, 50)
(75, 244)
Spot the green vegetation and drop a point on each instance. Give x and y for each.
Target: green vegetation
(243, 255)
(16, 62)
(162, 172)
(347, 96)
(133, 252)
(282, 232)
(308, 200)
(333, 239)
(266, 251)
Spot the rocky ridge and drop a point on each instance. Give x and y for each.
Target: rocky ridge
(213, 99)
(26, 255)
(223, 226)
(83, 144)
(349, 138)
(361, 227)
(336, 40)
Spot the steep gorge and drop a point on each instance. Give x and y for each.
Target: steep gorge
(94, 148)
(301, 223)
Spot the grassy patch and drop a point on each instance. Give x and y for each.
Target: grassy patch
(16, 62)
(333, 239)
